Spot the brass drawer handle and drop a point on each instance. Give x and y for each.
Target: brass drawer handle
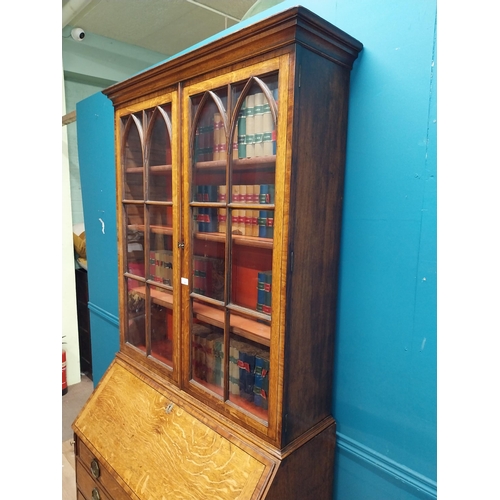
(95, 494)
(95, 469)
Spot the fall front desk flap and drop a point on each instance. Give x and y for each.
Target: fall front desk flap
(159, 450)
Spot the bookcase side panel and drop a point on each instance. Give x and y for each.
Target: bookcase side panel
(317, 179)
(307, 471)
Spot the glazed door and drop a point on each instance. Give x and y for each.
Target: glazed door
(231, 266)
(148, 185)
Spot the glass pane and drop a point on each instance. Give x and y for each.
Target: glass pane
(251, 278)
(160, 243)
(253, 195)
(161, 326)
(209, 269)
(255, 130)
(135, 333)
(249, 375)
(134, 217)
(207, 356)
(132, 159)
(160, 154)
(209, 148)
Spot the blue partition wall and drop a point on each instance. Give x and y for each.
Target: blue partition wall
(384, 387)
(96, 155)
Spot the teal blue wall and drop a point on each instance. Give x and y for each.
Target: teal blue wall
(385, 372)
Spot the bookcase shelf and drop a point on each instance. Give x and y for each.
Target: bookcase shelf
(261, 162)
(162, 298)
(249, 241)
(222, 385)
(154, 229)
(160, 169)
(245, 327)
(155, 169)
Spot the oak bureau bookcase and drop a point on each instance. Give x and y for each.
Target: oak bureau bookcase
(230, 170)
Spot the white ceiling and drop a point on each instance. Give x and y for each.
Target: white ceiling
(164, 26)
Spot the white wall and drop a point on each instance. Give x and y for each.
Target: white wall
(69, 314)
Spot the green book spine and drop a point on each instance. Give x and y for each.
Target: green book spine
(242, 131)
(250, 126)
(268, 278)
(261, 292)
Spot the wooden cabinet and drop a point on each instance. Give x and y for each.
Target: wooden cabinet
(230, 169)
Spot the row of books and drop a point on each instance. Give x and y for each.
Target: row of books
(248, 364)
(161, 267)
(254, 136)
(256, 194)
(256, 128)
(208, 354)
(259, 223)
(208, 276)
(249, 372)
(264, 291)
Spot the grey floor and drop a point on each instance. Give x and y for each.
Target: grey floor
(72, 403)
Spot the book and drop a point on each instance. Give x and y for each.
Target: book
(261, 381)
(264, 194)
(234, 147)
(255, 189)
(258, 124)
(235, 221)
(270, 224)
(262, 223)
(199, 334)
(222, 142)
(261, 293)
(210, 357)
(246, 365)
(242, 130)
(199, 281)
(264, 291)
(219, 360)
(248, 222)
(267, 292)
(265, 382)
(255, 223)
(267, 130)
(242, 193)
(234, 371)
(208, 276)
(222, 220)
(161, 266)
(250, 126)
(222, 194)
(235, 194)
(217, 126)
(249, 189)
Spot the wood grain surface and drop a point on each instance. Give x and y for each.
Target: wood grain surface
(159, 454)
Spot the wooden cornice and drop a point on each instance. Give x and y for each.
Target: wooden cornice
(296, 25)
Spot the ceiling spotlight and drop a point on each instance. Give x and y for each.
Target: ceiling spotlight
(77, 34)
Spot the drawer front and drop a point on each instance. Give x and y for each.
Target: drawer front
(79, 495)
(99, 473)
(90, 489)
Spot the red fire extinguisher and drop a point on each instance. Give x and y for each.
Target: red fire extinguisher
(64, 382)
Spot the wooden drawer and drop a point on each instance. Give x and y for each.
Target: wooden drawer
(98, 474)
(86, 485)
